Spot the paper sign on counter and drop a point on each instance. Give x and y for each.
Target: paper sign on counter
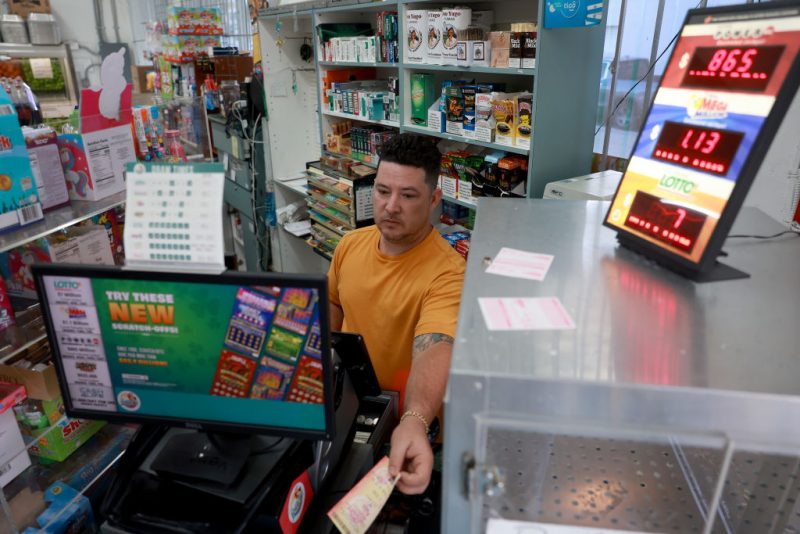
(540, 313)
(520, 264)
(358, 509)
(504, 526)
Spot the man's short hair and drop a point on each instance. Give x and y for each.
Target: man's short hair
(415, 151)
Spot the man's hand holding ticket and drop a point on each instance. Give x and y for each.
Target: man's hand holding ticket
(358, 509)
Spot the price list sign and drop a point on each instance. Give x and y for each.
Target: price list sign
(174, 216)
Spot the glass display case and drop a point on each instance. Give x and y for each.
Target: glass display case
(48, 72)
(670, 406)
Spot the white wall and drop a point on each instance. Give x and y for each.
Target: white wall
(78, 25)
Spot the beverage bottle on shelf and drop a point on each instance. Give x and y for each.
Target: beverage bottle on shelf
(174, 147)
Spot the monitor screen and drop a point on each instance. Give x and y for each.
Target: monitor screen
(731, 76)
(235, 351)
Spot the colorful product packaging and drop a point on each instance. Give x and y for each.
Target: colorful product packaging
(65, 438)
(515, 50)
(423, 94)
(186, 48)
(69, 511)
(505, 109)
(433, 51)
(454, 110)
(6, 311)
(94, 161)
(524, 120)
(454, 21)
(484, 117)
(416, 28)
(194, 21)
(48, 174)
(18, 195)
(35, 415)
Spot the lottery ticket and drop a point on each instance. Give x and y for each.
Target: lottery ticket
(272, 379)
(284, 345)
(358, 509)
(234, 373)
(296, 309)
(307, 386)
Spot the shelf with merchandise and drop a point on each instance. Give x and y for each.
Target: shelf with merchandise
(81, 471)
(460, 202)
(58, 219)
(347, 64)
(338, 114)
(461, 139)
(467, 69)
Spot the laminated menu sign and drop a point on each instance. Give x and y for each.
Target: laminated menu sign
(174, 216)
(364, 207)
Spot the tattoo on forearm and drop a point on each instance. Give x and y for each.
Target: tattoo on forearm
(425, 341)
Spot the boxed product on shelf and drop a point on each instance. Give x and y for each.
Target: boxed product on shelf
(484, 117)
(505, 109)
(194, 20)
(185, 48)
(416, 27)
(69, 512)
(469, 92)
(423, 95)
(524, 117)
(500, 43)
(20, 200)
(13, 456)
(465, 47)
(433, 51)
(64, 438)
(454, 110)
(512, 175)
(454, 20)
(387, 30)
(490, 186)
(478, 53)
(45, 161)
(529, 49)
(515, 51)
(94, 160)
(31, 367)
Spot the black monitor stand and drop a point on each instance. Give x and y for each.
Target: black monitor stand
(720, 272)
(181, 480)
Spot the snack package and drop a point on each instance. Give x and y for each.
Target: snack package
(505, 108)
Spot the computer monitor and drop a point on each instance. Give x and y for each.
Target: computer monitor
(729, 81)
(235, 352)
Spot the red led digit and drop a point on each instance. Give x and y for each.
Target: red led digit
(699, 141)
(685, 142)
(716, 61)
(747, 60)
(730, 61)
(711, 144)
(681, 217)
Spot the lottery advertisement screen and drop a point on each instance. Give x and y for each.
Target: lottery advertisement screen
(218, 352)
(692, 157)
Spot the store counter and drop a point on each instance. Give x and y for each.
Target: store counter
(670, 402)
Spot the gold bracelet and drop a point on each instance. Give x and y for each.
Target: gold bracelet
(412, 413)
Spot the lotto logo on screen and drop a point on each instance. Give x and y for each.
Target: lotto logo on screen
(67, 284)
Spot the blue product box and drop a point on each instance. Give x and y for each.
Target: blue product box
(69, 511)
(19, 199)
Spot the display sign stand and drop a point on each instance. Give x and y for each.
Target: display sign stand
(719, 272)
(168, 224)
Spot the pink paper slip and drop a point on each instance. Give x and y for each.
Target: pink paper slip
(545, 313)
(520, 264)
(358, 509)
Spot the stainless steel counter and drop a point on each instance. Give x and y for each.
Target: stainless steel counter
(653, 357)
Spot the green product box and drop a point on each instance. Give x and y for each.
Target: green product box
(34, 415)
(423, 93)
(64, 438)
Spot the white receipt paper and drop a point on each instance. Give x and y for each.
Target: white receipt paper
(520, 264)
(504, 526)
(538, 313)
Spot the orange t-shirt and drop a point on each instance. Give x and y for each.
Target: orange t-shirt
(390, 300)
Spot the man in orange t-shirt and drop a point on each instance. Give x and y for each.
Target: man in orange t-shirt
(398, 284)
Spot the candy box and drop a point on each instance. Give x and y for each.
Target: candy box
(45, 161)
(19, 200)
(65, 438)
(194, 21)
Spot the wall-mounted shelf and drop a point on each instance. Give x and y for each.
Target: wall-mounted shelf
(385, 5)
(391, 124)
(348, 64)
(468, 68)
(462, 139)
